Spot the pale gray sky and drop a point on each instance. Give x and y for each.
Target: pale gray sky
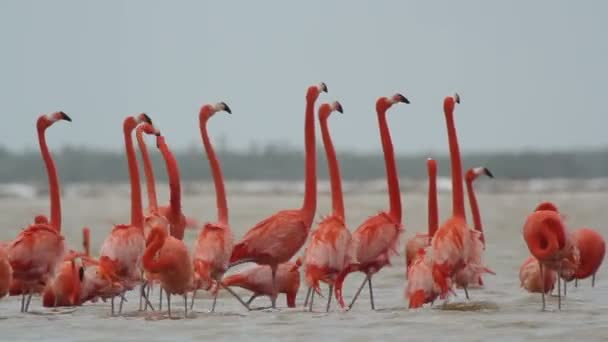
(530, 73)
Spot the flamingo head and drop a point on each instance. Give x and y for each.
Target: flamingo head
(45, 121)
(147, 128)
(143, 117)
(546, 206)
(327, 108)
(450, 102)
(384, 103)
(208, 110)
(132, 121)
(41, 219)
(475, 172)
(314, 91)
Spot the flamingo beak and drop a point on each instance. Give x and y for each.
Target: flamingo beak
(146, 118)
(226, 108)
(401, 98)
(323, 87)
(456, 97)
(338, 106)
(65, 117)
(487, 172)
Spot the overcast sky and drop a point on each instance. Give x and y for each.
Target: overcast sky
(531, 74)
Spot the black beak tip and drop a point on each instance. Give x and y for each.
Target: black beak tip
(157, 134)
(457, 98)
(323, 87)
(226, 108)
(488, 173)
(147, 118)
(339, 107)
(403, 99)
(81, 273)
(65, 117)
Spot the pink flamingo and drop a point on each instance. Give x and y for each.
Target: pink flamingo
(377, 237)
(169, 259)
(326, 254)
(592, 248)
(276, 239)
(551, 243)
(421, 241)
(470, 275)
(215, 241)
(6, 273)
(38, 249)
(258, 279)
(530, 277)
(146, 128)
(125, 245)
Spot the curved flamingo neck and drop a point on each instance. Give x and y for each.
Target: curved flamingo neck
(152, 248)
(148, 170)
(53, 179)
(456, 164)
(337, 200)
(216, 170)
(175, 190)
(477, 225)
(309, 205)
(433, 219)
(137, 218)
(392, 179)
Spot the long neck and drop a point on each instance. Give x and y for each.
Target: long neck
(392, 179)
(433, 215)
(216, 170)
(457, 190)
(309, 206)
(337, 200)
(53, 181)
(175, 190)
(137, 218)
(149, 263)
(475, 209)
(148, 172)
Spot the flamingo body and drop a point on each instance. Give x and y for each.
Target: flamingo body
(213, 249)
(592, 248)
(530, 277)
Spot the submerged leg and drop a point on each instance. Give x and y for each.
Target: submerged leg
(23, 302)
(576, 282)
(371, 291)
(307, 296)
(29, 300)
(559, 287)
(565, 288)
(542, 277)
(274, 286)
(357, 293)
(160, 300)
(122, 300)
(246, 305)
(331, 290)
(112, 301)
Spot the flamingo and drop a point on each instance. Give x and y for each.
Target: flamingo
(278, 238)
(377, 237)
(452, 245)
(38, 249)
(471, 273)
(530, 277)
(326, 253)
(125, 245)
(258, 279)
(551, 243)
(421, 241)
(592, 248)
(64, 288)
(146, 128)
(6, 273)
(213, 246)
(168, 258)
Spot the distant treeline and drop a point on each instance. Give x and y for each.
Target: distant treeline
(277, 162)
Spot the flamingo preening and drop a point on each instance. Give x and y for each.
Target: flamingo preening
(214, 244)
(377, 237)
(326, 254)
(551, 244)
(38, 249)
(276, 239)
(122, 250)
(420, 240)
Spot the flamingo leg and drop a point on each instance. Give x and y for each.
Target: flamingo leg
(274, 286)
(371, 292)
(559, 290)
(251, 299)
(185, 305)
(192, 301)
(169, 303)
(122, 300)
(565, 288)
(29, 300)
(246, 305)
(542, 277)
(160, 300)
(593, 280)
(312, 299)
(576, 282)
(23, 302)
(112, 301)
(307, 296)
(214, 301)
(466, 292)
(357, 294)
(331, 290)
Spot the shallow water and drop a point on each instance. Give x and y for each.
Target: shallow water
(501, 312)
